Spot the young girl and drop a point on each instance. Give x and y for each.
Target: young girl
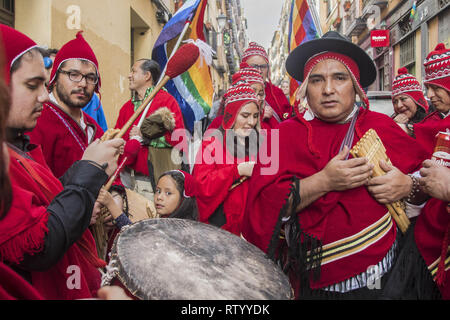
(173, 199)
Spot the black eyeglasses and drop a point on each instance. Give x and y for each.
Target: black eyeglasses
(78, 77)
(259, 66)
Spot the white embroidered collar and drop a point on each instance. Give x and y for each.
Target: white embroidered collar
(309, 114)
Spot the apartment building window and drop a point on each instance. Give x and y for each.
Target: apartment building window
(408, 54)
(7, 12)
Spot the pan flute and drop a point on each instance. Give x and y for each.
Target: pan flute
(371, 147)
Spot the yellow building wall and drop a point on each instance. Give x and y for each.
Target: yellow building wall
(419, 58)
(106, 26)
(433, 34)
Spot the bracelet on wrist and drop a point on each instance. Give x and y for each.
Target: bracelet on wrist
(414, 189)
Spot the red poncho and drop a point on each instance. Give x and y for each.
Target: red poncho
(432, 226)
(214, 172)
(62, 139)
(338, 218)
(432, 237)
(138, 154)
(23, 229)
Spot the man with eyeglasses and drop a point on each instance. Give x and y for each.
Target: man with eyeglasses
(277, 107)
(64, 130)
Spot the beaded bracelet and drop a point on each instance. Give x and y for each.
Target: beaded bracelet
(414, 190)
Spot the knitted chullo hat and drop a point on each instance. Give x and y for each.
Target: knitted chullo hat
(77, 48)
(15, 45)
(407, 84)
(437, 67)
(255, 49)
(248, 74)
(236, 97)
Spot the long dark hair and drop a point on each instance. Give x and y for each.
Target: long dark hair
(187, 209)
(5, 183)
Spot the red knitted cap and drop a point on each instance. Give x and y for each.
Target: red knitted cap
(77, 48)
(437, 67)
(255, 49)
(15, 45)
(236, 97)
(248, 74)
(405, 83)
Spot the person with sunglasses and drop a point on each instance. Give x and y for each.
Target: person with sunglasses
(64, 130)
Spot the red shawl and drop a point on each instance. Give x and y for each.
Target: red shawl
(23, 229)
(137, 155)
(61, 138)
(214, 179)
(304, 149)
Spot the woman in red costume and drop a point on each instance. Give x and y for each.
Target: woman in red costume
(226, 158)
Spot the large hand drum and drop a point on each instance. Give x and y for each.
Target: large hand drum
(175, 259)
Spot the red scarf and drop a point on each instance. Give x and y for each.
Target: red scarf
(213, 181)
(24, 228)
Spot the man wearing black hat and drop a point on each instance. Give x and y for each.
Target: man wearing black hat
(330, 229)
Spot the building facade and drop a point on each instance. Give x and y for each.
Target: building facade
(412, 33)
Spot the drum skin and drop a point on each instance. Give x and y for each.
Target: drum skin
(175, 259)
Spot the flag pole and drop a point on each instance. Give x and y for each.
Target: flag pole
(180, 38)
(315, 16)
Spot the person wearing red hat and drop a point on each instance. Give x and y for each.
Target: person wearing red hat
(148, 156)
(409, 102)
(12, 285)
(322, 217)
(432, 232)
(277, 104)
(437, 83)
(44, 235)
(225, 161)
(64, 130)
(253, 77)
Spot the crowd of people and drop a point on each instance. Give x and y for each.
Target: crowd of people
(321, 214)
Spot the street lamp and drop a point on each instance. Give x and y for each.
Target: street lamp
(221, 21)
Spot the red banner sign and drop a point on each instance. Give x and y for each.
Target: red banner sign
(379, 38)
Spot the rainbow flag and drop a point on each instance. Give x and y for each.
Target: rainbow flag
(301, 29)
(193, 89)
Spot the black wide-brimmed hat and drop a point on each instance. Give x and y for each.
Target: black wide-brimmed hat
(334, 42)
